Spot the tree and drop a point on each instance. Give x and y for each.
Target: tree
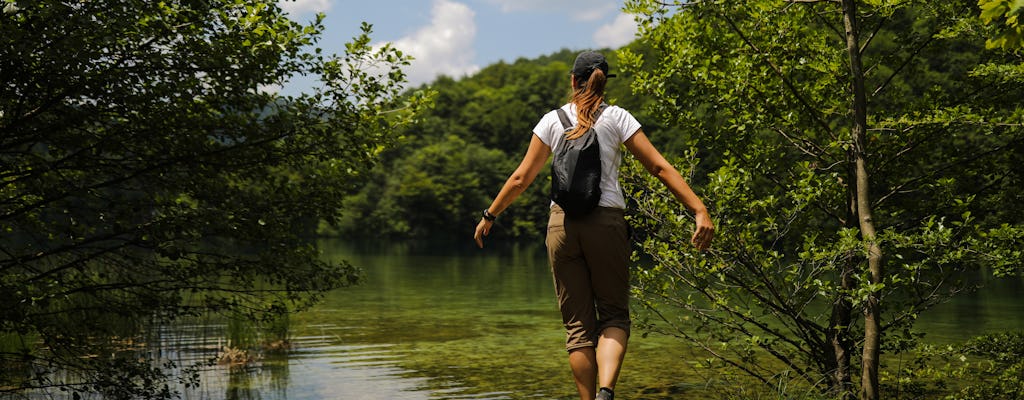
(461, 150)
(437, 185)
(493, 110)
(863, 157)
(147, 174)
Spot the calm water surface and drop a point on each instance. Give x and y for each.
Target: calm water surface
(434, 323)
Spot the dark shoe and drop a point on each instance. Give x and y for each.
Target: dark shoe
(605, 394)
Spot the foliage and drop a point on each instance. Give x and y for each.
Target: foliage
(766, 91)
(146, 174)
(427, 186)
(1007, 13)
(985, 367)
(436, 185)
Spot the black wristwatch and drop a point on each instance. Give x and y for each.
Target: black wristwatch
(488, 216)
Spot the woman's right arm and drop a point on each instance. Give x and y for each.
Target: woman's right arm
(640, 146)
(535, 158)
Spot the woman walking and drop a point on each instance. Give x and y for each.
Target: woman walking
(589, 254)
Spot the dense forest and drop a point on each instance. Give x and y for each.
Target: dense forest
(447, 166)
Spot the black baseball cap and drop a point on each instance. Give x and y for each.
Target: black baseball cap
(587, 62)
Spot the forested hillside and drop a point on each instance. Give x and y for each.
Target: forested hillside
(447, 167)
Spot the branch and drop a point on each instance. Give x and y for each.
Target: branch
(709, 349)
(776, 309)
(942, 168)
(778, 72)
(871, 37)
(923, 303)
(667, 4)
(831, 27)
(802, 143)
(780, 305)
(56, 99)
(903, 65)
(140, 172)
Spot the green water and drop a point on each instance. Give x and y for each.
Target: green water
(463, 323)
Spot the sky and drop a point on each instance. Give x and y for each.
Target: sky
(459, 37)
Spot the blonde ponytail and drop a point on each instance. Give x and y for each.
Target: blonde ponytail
(587, 96)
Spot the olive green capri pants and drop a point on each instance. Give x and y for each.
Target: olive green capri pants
(589, 259)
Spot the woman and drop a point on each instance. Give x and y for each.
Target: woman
(589, 255)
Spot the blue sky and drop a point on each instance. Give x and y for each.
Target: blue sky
(458, 37)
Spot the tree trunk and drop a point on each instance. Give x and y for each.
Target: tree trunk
(838, 338)
(872, 328)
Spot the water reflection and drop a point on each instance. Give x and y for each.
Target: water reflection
(994, 307)
(425, 325)
(436, 323)
(317, 368)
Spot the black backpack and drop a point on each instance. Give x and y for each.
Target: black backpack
(576, 170)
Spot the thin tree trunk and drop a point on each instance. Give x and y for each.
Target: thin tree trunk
(872, 326)
(838, 338)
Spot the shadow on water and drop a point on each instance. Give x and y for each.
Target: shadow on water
(435, 322)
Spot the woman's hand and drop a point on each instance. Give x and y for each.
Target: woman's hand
(535, 158)
(482, 229)
(704, 232)
(656, 165)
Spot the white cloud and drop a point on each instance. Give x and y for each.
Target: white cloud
(297, 7)
(443, 47)
(616, 34)
(269, 89)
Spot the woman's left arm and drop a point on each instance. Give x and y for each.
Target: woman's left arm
(535, 158)
(656, 165)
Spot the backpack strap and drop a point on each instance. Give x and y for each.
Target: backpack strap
(600, 109)
(566, 124)
(562, 116)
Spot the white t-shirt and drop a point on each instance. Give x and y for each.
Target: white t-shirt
(613, 127)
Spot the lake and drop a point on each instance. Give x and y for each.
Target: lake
(443, 323)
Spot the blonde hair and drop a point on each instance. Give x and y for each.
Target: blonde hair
(587, 96)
